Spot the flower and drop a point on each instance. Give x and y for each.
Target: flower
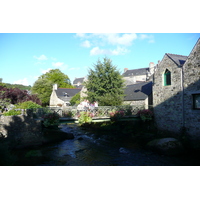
(145, 115)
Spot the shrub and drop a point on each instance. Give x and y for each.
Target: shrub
(145, 115)
(12, 112)
(51, 119)
(115, 115)
(68, 113)
(85, 117)
(28, 105)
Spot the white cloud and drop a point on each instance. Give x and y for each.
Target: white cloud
(86, 44)
(42, 57)
(117, 51)
(21, 81)
(81, 35)
(124, 39)
(44, 71)
(59, 65)
(150, 38)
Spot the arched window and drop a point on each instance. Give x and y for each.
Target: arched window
(167, 77)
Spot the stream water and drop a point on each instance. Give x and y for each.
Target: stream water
(88, 149)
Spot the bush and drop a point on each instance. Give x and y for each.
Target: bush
(28, 105)
(145, 115)
(115, 115)
(85, 117)
(51, 119)
(12, 112)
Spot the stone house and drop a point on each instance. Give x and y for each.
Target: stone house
(78, 82)
(138, 75)
(176, 93)
(139, 94)
(62, 96)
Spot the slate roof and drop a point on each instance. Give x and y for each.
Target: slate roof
(136, 72)
(178, 59)
(139, 91)
(66, 94)
(78, 80)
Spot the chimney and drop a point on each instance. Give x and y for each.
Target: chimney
(151, 64)
(55, 86)
(125, 69)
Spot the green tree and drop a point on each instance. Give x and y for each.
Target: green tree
(105, 84)
(43, 86)
(75, 100)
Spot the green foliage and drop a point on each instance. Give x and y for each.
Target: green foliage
(19, 86)
(43, 89)
(85, 117)
(43, 86)
(75, 100)
(12, 112)
(28, 105)
(51, 119)
(105, 84)
(4, 103)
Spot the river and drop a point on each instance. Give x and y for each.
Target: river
(90, 149)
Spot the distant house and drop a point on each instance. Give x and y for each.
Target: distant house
(138, 75)
(139, 94)
(78, 82)
(62, 96)
(176, 93)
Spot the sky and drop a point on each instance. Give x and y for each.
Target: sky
(26, 56)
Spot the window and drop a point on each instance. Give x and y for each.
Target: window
(196, 101)
(167, 77)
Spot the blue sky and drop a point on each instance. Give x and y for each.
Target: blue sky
(26, 56)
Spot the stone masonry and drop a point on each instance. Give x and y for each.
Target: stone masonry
(167, 100)
(21, 130)
(173, 104)
(191, 82)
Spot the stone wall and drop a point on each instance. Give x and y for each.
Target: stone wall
(21, 130)
(143, 104)
(191, 80)
(54, 100)
(167, 100)
(173, 104)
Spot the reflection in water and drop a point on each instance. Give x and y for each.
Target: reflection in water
(87, 150)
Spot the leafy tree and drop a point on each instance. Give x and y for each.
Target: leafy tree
(75, 99)
(43, 86)
(56, 76)
(105, 84)
(15, 95)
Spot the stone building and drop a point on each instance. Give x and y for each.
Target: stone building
(138, 75)
(78, 82)
(176, 93)
(62, 96)
(139, 95)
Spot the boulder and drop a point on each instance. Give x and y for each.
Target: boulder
(166, 146)
(55, 135)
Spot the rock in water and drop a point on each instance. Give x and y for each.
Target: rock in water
(123, 150)
(166, 146)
